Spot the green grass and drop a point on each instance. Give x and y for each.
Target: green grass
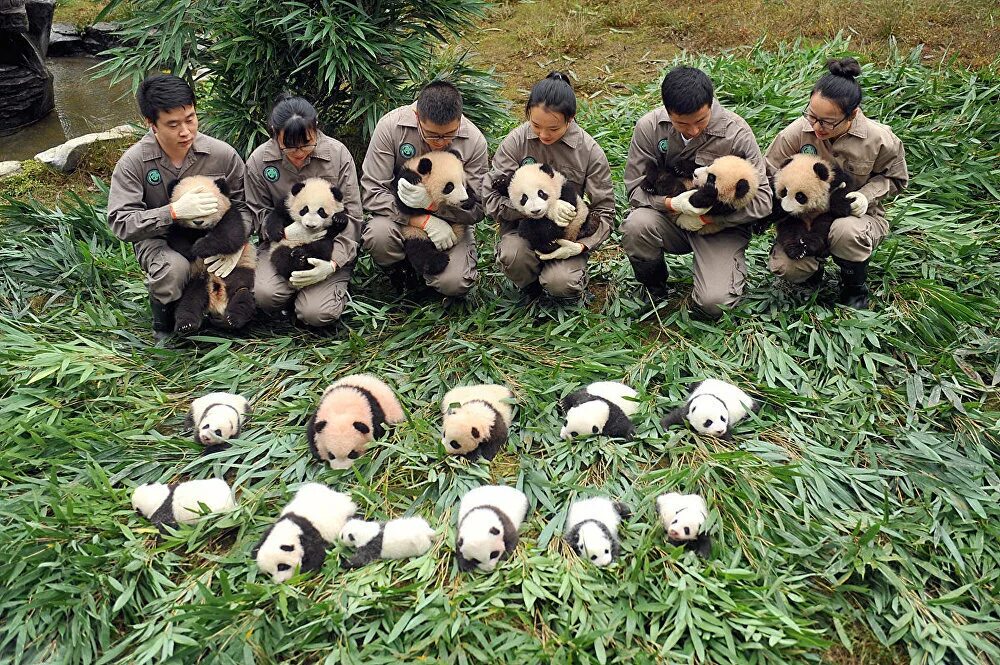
(855, 521)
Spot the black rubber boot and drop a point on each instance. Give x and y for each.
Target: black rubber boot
(815, 280)
(853, 287)
(404, 278)
(163, 319)
(531, 292)
(651, 274)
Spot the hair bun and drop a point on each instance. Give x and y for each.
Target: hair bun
(559, 76)
(845, 67)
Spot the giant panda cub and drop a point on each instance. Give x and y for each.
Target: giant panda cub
(217, 417)
(396, 539)
(317, 206)
(228, 301)
(811, 193)
(713, 407)
(477, 420)
(682, 517)
(592, 529)
(307, 526)
(488, 521)
(181, 503)
(352, 412)
(726, 185)
(603, 407)
(533, 190)
(668, 176)
(442, 174)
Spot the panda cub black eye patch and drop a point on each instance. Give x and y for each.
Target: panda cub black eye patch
(218, 432)
(594, 429)
(283, 567)
(455, 444)
(801, 198)
(304, 211)
(543, 195)
(687, 531)
(524, 199)
(353, 454)
(288, 548)
(449, 188)
(321, 212)
(494, 554)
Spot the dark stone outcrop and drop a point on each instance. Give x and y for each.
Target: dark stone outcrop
(66, 41)
(25, 84)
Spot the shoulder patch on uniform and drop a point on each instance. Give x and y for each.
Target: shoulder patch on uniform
(808, 149)
(153, 177)
(663, 145)
(272, 174)
(528, 160)
(406, 150)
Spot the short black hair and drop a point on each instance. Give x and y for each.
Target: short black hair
(555, 93)
(839, 85)
(295, 117)
(163, 92)
(440, 102)
(686, 90)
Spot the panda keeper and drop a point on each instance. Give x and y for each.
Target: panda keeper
(139, 208)
(296, 151)
(691, 125)
(550, 135)
(833, 127)
(433, 122)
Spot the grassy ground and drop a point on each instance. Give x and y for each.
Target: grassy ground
(855, 522)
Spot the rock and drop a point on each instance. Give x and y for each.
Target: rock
(13, 17)
(65, 157)
(100, 36)
(26, 93)
(40, 14)
(9, 168)
(66, 41)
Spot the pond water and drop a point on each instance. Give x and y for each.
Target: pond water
(83, 106)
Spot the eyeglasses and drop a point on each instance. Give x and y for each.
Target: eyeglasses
(825, 125)
(436, 137)
(304, 148)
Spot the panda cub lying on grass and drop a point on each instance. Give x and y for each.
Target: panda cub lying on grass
(683, 516)
(217, 417)
(489, 518)
(713, 407)
(396, 539)
(592, 529)
(182, 503)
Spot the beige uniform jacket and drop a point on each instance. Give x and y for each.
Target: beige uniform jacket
(869, 151)
(270, 177)
(138, 205)
(726, 134)
(397, 139)
(576, 155)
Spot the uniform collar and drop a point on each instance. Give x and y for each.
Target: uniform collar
(717, 125)
(409, 119)
(572, 137)
(324, 149)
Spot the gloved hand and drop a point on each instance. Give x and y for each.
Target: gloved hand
(221, 265)
(295, 232)
(567, 249)
(440, 233)
(300, 279)
(682, 204)
(859, 203)
(562, 213)
(689, 222)
(414, 196)
(194, 204)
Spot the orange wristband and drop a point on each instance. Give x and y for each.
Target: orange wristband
(423, 224)
(705, 219)
(666, 204)
(173, 215)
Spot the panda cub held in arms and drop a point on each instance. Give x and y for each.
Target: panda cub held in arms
(442, 174)
(683, 516)
(304, 531)
(352, 412)
(668, 176)
(533, 190)
(181, 503)
(726, 185)
(592, 529)
(477, 420)
(228, 301)
(713, 407)
(217, 417)
(396, 539)
(318, 207)
(810, 194)
(488, 521)
(604, 407)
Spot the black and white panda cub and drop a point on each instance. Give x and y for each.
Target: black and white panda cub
(713, 407)
(726, 185)
(810, 194)
(683, 517)
(476, 420)
(228, 301)
(669, 176)
(442, 174)
(217, 417)
(533, 190)
(317, 206)
(592, 529)
(400, 538)
(181, 503)
(489, 518)
(603, 407)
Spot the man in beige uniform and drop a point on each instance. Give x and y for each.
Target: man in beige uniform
(692, 125)
(139, 210)
(434, 122)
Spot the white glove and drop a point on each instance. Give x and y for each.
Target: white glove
(221, 265)
(689, 222)
(859, 203)
(440, 233)
(194, 204)
(682, 204)
(413, 196)
(297, 233)
(562, 213)
(567, 249)
(300, 279)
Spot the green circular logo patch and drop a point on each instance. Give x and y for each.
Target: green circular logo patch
(663, 145)
(153, 177)
(808, 149)
(271, 174)
(527, 160)
(407, 150)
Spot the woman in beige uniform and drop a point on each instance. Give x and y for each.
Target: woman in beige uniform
(296, 151)
(833, 127)
(551, 136)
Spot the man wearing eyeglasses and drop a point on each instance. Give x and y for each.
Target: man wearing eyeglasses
(434, 122)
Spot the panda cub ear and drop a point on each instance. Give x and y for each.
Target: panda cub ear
(742, 188)
(547, 170)
(297, 187)
(170, 187)
(424, 166)
(337, 194)
(822, 172)
(785, 163)
(223, 186)
(455, 152)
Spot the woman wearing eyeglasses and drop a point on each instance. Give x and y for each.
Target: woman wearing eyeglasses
(298, 150)
(550, 135)
(833, 127)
